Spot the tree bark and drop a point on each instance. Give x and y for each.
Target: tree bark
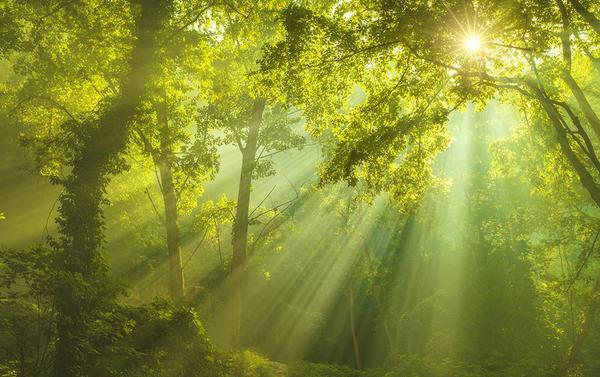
(82, 289)
(169, 195)
(240, 225)
(176, 276)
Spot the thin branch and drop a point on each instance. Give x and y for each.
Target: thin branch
(262, 201)
(236, 10)
(154, 206)
(238, 139)
(587, 15)
(335, 60)
(460, 72)
(52, 101)
(50, 213)
(529, 49)
(286, 149)
(182, 187)
(146, 143)
(218, 233)
(262, 231)
(57, 9)
(393, 89)
(584, 262)
(196, 248)
(272, 209)
(186, 24)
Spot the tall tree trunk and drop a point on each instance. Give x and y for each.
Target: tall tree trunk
(176, 277)
(588, 321)
(169, 195)
(355, 345)
(385, 302)
(82, 290)
(240, 224)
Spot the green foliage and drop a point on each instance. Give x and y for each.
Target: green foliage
(411, 365)
(321, 370)
(234, 90)
(161, 340)
(154, 340)
(422, 251)
(251, 364)
(27, 279)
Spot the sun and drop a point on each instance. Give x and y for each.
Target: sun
(473, 42)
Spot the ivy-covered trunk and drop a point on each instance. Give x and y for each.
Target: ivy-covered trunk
(83, 292)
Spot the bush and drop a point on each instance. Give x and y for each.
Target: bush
(163, 341)
(250, 364)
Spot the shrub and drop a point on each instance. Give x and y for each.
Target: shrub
(251, 364)
(163, 341)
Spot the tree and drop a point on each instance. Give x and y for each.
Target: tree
(184, 159)
(257, 123)
(88, 146)
(81, 287)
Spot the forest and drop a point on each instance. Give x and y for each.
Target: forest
(299, 188)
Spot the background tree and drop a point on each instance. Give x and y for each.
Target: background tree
(82, 289)
(258, 125)
(184, 158)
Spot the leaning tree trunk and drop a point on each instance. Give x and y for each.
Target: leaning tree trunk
(82, 291)
(169, 195)
(592, 188)
(583, 103)
(586, 179)
(240, 224)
